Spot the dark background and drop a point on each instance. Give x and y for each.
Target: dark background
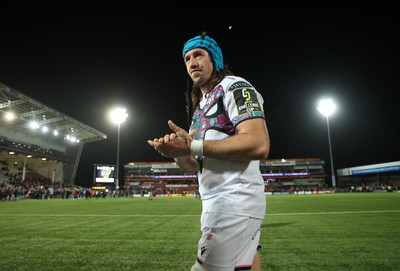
(83, 59)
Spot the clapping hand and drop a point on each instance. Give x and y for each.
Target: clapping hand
(173, 145)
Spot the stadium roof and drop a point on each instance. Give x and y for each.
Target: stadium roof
(30, 114)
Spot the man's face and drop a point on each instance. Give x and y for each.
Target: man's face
(199, 66)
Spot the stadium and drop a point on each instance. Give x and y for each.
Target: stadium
(50, 223)
(41, 146)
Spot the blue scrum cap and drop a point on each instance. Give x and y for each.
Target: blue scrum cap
(207, 44)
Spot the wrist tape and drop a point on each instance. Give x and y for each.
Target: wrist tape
(196, 147)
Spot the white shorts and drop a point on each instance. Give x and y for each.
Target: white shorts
(228, 242)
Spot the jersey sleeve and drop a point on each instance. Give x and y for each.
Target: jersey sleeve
(243, 102)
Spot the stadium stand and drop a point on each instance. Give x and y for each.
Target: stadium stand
(370, 178)
(280, 176)
(35, 136)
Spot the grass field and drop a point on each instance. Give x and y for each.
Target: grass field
(349, 231)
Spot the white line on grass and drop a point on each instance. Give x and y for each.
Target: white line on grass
(339, 213)
(159, 215)
(89, 215)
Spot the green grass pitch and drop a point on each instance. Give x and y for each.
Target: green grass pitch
(349, 231)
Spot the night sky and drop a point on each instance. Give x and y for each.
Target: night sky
(82, 60)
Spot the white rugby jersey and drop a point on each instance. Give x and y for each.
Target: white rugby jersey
(232, 187)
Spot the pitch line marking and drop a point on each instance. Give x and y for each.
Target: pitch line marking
(337, 213)
(159, 215)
